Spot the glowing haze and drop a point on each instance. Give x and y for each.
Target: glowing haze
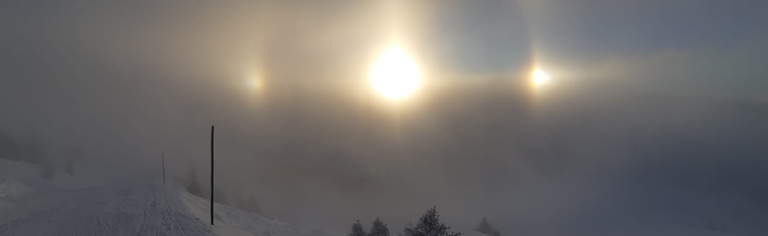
(657, 120)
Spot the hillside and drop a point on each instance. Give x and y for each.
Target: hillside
(30, 205)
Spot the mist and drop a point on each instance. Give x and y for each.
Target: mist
(650, 135)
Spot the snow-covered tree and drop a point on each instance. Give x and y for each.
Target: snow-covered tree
(357, 229)
(10, 148)
(192, 185)
(250, 203)
(378, 228)
(486, 228)
(429, 225)
(34, 152)
(69, 158)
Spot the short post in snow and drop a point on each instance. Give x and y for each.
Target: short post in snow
(212, 129)
(162, 158)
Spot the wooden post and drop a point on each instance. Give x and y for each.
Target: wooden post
(162, 158)
(212, 130)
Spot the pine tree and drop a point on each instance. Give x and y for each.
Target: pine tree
(429, 225)
(486, 228)
(378, 228)
(357, 229)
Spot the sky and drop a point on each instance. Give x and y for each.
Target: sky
(654, 116)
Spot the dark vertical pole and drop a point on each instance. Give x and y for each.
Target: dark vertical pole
(212, 174)
(162, 157)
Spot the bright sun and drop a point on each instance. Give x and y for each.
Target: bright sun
(540, 77)
(395, 75)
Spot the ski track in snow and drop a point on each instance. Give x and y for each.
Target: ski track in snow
(148, 209)
(65, 205)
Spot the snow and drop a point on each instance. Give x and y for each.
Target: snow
(72, 205)
(232, 221)
(30, 205)
(474, 233)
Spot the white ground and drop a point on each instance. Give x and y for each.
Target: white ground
(67, 205)
(33, 206)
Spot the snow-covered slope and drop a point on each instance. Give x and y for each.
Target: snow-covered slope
(30, 205)
(232, 221)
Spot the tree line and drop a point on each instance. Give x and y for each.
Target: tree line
(429, 225)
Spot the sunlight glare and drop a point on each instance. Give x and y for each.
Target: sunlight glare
(540, 77)
(395, 75)
(254, 83)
